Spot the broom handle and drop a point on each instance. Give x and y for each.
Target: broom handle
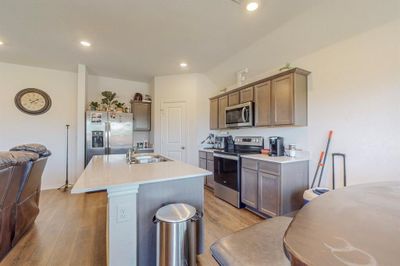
(318, 166)
(326, 153)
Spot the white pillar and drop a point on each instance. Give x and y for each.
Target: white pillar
(122, 226)
(80, 121)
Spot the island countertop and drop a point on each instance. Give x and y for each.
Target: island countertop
(108, 171)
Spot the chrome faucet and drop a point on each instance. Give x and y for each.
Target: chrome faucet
(131, 151)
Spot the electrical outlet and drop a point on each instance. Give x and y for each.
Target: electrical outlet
(122, 214)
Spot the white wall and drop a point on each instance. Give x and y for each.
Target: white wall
(81, 96)
(194, 89)
(321, 26)
(125, 89)
(49, 128)
(354, 90)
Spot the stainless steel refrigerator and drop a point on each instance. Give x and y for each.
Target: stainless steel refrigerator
(108, 133)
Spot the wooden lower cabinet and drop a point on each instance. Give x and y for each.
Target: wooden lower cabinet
(206, 161)
(273, 189)
(268, 194)
(203, 165)
(249, 187)
(210, 178)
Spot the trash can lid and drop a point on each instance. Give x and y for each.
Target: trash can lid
(175, 213)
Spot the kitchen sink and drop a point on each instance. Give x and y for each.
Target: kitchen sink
(147, 158)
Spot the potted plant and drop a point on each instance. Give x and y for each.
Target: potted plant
(94, 106)
(109, 99)
(119, 106)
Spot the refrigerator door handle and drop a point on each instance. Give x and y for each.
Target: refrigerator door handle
(107, 137)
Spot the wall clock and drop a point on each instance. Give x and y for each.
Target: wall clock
(33, 101)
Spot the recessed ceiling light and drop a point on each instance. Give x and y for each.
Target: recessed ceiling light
(183, 65)
(86, 43)
(252, 6)
(1, 43)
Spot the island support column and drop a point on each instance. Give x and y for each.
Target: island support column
(122, 226)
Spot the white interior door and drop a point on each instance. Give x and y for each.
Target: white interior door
(174, 130)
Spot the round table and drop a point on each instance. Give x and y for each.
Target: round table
(357, 225)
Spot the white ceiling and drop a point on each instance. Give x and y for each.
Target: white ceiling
(134, 39)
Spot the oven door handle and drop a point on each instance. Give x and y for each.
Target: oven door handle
(224, 156)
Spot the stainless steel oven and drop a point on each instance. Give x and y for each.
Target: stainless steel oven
(227, 166)
(240, 115)
(226, 177)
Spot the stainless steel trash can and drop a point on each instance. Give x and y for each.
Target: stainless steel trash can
(176, 235)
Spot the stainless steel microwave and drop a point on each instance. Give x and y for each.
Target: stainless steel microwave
(240, 115)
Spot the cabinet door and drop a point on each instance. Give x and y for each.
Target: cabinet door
(246, 95)
(141, 116)
(203, 154)
(222, 104)
(233, 98)
(214, 114)
(203, 165)
(210, 178)
(282, 100)
(249, 187)
(262, 93)
(268, 194)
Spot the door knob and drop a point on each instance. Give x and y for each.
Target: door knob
(182, 148)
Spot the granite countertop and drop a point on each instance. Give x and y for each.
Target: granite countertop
(106, 171)
(280, 159)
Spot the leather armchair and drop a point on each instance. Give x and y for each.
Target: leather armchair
(6, 205)
(27, 198)
(20, 179)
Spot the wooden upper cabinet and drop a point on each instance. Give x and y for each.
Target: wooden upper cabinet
(222, 104)
(289, 99)
(233, 98)
(279, 100)
(246, 95)
(262, 104)
(214, 114)
(141, 116)
(282, 96)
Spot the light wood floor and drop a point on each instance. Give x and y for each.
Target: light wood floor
(70, 230)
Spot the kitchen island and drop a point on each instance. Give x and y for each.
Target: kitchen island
(135, 193)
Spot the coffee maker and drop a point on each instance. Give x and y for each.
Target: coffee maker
(276, 146)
